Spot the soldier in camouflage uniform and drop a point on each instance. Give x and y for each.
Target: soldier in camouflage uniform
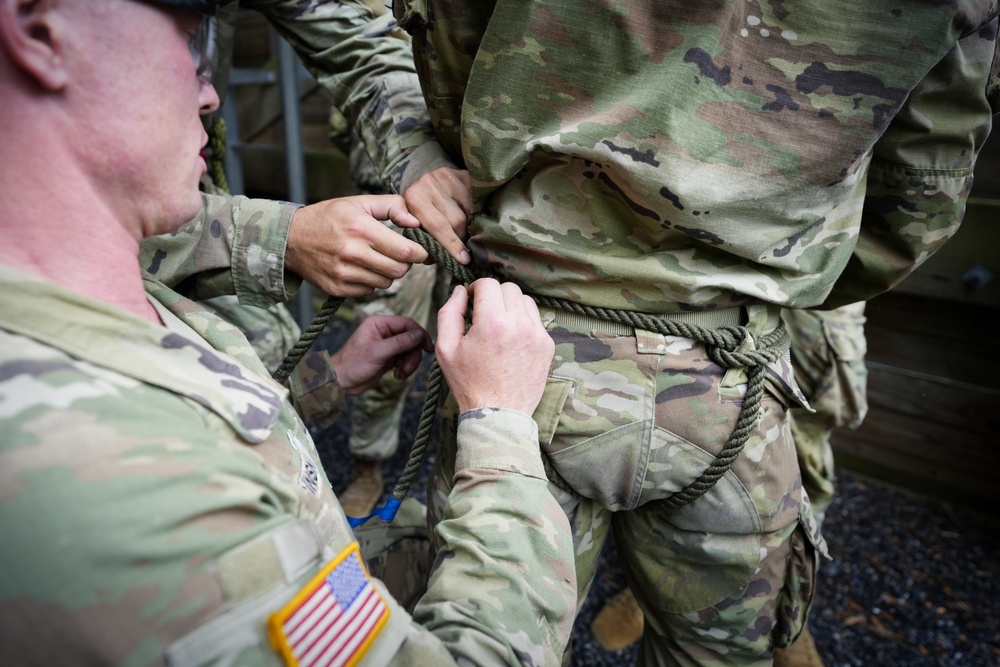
(370, 76)
(160, 500)
(353, 49)
(711, 163)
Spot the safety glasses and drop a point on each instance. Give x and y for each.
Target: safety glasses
(204, 42)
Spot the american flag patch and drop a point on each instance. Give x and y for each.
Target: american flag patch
(334, 619)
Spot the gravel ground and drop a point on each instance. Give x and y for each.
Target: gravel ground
(912, 581)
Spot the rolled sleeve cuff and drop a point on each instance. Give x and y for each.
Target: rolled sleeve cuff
(499, 439)
(258, 263)
(422, 160)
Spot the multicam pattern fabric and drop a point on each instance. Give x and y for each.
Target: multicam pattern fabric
(272, 332)
(248, 235)
(355, 51)
(159, 497)
(359, 55)
(669, 157)
(661, 157)
(625, 421)
(828, 355)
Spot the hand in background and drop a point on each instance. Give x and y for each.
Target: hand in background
(379, 344)
(441, 201)
(503, 360)
(340, 245)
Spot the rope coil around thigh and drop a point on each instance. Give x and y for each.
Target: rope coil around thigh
(722, 345)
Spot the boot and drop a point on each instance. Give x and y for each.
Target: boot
(619, 624)
(800, 654)
(364, 489)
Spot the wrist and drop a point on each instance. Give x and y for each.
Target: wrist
(293, 242)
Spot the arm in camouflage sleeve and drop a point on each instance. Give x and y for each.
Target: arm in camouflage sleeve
(351, 49)
(921, 171)
(503, 589)
(233, 246)
(340, 245)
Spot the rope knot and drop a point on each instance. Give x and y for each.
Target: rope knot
(767, 349)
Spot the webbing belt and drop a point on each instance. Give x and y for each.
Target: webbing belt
(710, 319)
(722, 342)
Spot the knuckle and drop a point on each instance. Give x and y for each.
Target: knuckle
(349, 253)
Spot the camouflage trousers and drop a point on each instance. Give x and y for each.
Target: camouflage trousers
(631, 416)
(828, 356)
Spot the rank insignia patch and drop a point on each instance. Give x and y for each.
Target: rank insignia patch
(334, 619)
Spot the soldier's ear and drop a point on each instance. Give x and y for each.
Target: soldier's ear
(29, 34)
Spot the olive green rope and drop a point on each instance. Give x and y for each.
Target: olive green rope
(432, 398)
(217, 151)
(722, 345)
(308, 337)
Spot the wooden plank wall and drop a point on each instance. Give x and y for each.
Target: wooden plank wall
(934, 397)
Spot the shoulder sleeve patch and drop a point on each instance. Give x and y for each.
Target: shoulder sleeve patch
(334, 619)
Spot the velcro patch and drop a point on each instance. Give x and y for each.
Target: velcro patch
(334, 619)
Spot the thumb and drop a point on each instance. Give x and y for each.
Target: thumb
(451, 318)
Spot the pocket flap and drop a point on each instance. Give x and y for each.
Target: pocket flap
(546, 415)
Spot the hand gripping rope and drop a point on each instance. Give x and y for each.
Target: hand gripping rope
(722, 345)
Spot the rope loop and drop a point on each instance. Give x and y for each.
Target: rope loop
(722, 345)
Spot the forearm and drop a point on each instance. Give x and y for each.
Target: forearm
(365, 63)
(505, 588)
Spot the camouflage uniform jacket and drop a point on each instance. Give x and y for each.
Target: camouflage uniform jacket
(669, 156)
(353, 50)
(159, 497)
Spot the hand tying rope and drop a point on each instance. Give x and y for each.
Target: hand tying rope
(722, 345)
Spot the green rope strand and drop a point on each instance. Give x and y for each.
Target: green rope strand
(217, 151)
(436, 387)
(308, 337)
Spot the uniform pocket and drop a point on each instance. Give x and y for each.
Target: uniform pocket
(546, 415)
(607, 468)
(848, 384)
(796, 596)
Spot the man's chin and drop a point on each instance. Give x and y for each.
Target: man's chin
(177, 218)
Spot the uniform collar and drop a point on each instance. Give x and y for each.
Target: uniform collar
(180, 362)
